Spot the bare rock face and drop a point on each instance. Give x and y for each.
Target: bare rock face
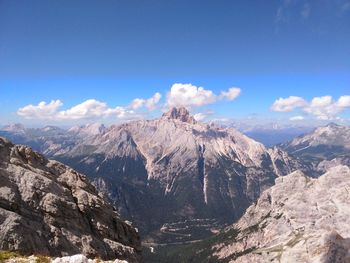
(48, 208)
(300, 219)
(180, 113)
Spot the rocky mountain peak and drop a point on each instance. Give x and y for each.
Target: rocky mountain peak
(179, 113)
(88, 129)
(16, 127)
(333, 125)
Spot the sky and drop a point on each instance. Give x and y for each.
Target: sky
(67, 62)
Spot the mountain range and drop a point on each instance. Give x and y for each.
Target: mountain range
(180, 181)
(161, 173)
(324, 147)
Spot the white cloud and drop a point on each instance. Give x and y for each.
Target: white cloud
(344, 101)
(188, 95)
(42, 110)
(230, 94)
(88, 109)
(200, 116)
(323, 108)
(150, 103)
(137, 103)
(297, 118)
(288, 104)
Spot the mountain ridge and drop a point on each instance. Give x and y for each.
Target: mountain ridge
(180, 169)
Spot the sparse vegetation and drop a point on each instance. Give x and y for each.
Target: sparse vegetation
(201, 251)
(42, 259)
(4, 255)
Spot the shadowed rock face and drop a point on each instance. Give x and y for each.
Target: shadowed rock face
(48, 208)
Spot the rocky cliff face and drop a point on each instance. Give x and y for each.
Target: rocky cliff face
(48, 208)
(300, 219)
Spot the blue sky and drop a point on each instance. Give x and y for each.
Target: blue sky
(116, 51)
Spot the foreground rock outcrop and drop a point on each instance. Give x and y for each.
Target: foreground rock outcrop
(48, 208)
(300, 219)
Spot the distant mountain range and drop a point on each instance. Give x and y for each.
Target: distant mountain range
(271, 134)
(181, 181)
(324, 147)
(163, 172)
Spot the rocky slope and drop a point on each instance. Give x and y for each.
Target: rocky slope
(49, 209)
(299, 219)
(323, 148)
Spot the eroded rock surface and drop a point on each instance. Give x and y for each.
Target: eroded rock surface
(48, 208)
(300, 219)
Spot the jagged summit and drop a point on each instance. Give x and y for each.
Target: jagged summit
(179, 113)
(333, 124)
(16, 127)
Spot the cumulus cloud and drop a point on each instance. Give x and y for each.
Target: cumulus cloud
(88, 109)
(230, 94)
(137, 103)
(188, 95)
(297, 118)
(323, 108)
(200, 116)
(150, 103)
(42, 110)
(344, 101)
(288, 104)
